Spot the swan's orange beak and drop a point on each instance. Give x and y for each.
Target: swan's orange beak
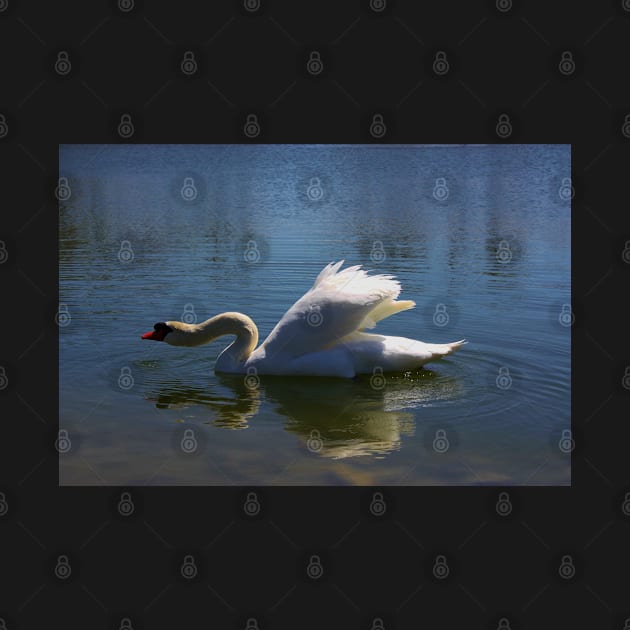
(151, 335)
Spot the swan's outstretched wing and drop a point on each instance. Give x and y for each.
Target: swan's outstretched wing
(338, 304)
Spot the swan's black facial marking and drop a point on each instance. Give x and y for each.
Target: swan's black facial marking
(160, 330)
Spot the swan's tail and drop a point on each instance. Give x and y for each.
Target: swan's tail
(444, 349)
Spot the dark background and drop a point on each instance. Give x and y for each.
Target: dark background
(377, 58)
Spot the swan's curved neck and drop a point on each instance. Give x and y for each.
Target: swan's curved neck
(224, 324)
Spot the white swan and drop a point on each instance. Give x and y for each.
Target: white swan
(320, 335)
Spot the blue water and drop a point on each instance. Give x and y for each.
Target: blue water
(479, 237)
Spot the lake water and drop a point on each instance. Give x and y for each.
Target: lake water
(479, 237)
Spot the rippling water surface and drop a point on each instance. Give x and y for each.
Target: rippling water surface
(479, 237)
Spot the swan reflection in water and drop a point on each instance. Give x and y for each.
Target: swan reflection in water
(334, 418)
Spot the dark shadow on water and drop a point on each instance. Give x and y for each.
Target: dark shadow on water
(332, 417)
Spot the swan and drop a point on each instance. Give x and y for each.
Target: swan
(322, 334)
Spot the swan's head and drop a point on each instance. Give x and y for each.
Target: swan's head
(159, 332)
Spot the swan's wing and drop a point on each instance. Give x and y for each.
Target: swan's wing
(338, 304)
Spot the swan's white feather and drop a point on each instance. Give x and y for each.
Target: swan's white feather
(338, 304)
